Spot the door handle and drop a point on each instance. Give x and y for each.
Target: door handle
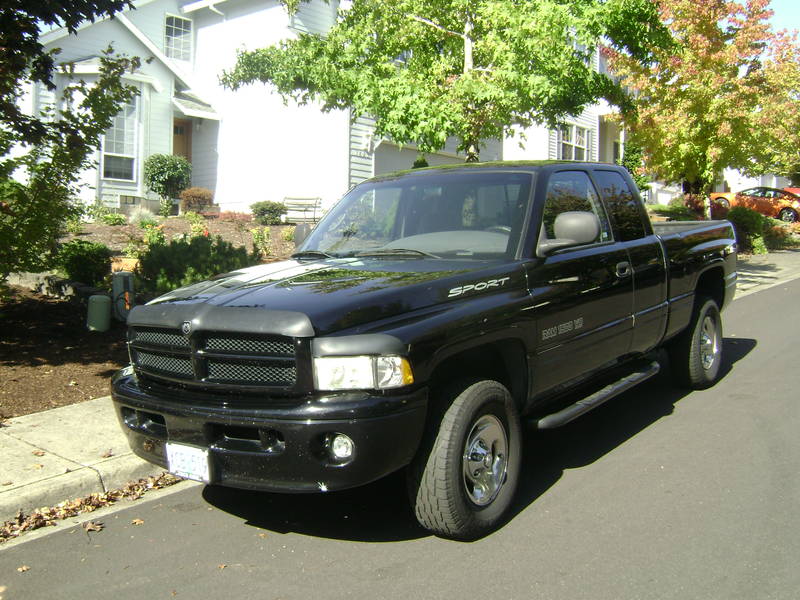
(623, 269)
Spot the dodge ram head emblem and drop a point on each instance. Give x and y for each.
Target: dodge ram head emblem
(186, 328)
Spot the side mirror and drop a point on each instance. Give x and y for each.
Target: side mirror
(301, 231)
(573, 228)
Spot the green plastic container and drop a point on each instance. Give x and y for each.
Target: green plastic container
(98, 317)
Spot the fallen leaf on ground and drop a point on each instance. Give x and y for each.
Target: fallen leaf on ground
(93, 526)
(262, 535)
(38, 453)
(47, 517)
(72, 382)
(7, 483)
(23, 568)
(37, 466)
(137, 522)
(220, 567)
(107, 454)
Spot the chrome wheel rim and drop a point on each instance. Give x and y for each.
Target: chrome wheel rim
(709, 343)
(485, 460)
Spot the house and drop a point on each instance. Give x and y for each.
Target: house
(248, 145)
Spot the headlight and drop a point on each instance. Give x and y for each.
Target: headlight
(361, 372)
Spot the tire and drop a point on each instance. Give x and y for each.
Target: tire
(696, 354)
(463, 479)
(787, 215)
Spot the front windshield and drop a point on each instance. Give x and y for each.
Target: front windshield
(443, 214)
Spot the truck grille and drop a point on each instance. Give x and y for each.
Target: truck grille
(213, 357)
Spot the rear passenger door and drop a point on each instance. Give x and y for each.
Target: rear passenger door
(645, 254)
(582, 296)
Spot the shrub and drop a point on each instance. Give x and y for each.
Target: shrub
(197, 224)
(87, 262)
(96, 211)
(183, 262)
(167, 175)
(236, 218)
(268, 212)
(142, 217)
(261, 241)
(114, 219)
(288, 234)
(675, 211)
(750, 227)
(196, 199)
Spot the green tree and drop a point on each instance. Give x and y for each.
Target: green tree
(698, 104)
(474, 69)
(633, 160)
(48, 151)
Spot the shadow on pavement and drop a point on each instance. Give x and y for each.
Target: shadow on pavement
(380, 511)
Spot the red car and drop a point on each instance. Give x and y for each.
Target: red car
(772, 202)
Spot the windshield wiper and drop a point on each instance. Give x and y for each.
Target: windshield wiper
(397, 252)
(312, 254)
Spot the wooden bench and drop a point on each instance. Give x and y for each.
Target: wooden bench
(302, 210)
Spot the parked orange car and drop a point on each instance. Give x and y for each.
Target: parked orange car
(772, 202)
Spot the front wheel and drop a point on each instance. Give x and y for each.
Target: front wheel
(696, 354)
(787, 215)
(464, 476)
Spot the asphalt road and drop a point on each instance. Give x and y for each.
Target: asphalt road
(659, 494)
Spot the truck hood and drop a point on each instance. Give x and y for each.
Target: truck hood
(332, 294)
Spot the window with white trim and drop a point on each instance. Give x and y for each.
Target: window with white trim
(573, 143)
(119, 145)
(178, 37)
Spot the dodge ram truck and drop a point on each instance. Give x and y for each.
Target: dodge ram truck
(426, 317)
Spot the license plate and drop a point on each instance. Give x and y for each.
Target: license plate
(188, 462)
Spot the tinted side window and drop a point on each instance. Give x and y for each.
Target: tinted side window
(571, 191)
(626, 210)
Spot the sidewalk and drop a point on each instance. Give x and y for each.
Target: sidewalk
(69, 452)
(62, 454)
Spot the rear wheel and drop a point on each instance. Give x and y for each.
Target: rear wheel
(696, 354)
(788, 215)
(464, 476)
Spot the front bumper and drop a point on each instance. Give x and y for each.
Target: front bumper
(275, 445)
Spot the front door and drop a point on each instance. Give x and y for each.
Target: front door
(182, 138)
(582, 297)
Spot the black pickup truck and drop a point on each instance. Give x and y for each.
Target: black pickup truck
(427, 315)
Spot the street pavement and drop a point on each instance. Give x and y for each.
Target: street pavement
(73, 451)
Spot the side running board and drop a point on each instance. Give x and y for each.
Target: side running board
(584, 405)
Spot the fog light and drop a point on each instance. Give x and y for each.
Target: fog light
(342, 447)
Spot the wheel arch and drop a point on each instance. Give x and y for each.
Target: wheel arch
(711, 284)
(503, 360)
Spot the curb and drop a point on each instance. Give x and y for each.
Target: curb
(58, 455)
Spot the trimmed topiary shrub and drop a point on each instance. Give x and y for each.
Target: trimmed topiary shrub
(86, 262)
(268, 212)
(196, 199)
(167, 175)
(185, 261)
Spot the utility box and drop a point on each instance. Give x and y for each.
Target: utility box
(122, 294)
(98, 315)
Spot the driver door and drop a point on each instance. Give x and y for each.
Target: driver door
(582, 296)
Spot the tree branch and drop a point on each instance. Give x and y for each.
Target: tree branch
(436, 26)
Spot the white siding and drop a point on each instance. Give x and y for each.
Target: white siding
(314, 17)
(205, 156)
(265, 150)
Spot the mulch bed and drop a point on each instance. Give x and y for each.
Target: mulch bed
(48, 358)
